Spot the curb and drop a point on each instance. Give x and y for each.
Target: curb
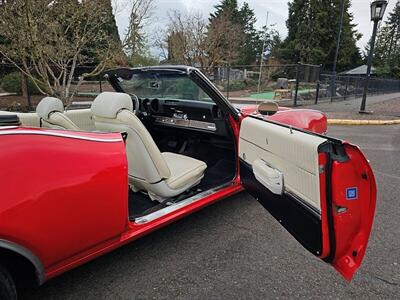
(362, 122)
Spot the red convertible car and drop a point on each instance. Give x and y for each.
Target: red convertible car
(76, 184)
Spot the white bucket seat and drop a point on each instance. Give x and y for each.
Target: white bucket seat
(51, 112)
(162, 175)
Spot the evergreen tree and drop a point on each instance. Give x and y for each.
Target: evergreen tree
(223, 33)
(252, 38)
(243, 19)
(109, 27)
(387, 53)
(226, 6)
(272, 42)
(312, 34)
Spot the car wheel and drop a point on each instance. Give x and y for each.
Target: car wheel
(8, 290)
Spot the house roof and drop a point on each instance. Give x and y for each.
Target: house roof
(361, 70)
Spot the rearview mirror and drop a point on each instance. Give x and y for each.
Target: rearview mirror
(268, 108)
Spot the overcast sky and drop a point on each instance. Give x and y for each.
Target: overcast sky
(278, 13)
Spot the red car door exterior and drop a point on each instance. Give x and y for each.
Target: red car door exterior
(321, 190)
(70, 188)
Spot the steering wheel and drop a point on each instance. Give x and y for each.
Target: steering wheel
(136, 109)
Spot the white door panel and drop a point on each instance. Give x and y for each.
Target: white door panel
(293, 153)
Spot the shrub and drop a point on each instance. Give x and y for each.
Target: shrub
(237, 85)
(11, 83)
(250, 82)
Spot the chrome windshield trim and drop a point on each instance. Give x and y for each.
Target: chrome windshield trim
(174, 207)
(59, 134)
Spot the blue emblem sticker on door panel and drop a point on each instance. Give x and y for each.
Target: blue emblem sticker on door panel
(352, 193)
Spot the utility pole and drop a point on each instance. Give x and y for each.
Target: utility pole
(333, 91)
(262, 54)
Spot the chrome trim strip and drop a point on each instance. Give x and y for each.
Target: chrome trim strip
(59, 134)
(40, 276)
(185, 123)
(169, 209)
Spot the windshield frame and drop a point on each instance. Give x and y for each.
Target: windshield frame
(164, 86)
(193, 74)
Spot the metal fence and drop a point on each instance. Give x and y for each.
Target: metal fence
(290, 85)
(253, 83)
(294, 85)
(345, 87)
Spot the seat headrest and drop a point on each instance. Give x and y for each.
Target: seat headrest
(49, 105)
(109, 104)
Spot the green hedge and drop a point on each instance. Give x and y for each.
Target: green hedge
(11, 83)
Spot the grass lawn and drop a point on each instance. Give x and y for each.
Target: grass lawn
(266, 95)
(270, 95)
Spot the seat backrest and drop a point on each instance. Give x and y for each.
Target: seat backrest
(113, 112)
(51, 112)
(82, 118)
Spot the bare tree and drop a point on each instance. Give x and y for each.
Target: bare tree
(48, 39)
(224, 40)
(135, 38)
(185, 40)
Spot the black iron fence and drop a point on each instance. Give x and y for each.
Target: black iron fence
(291, 85)
(255, 83)
(344, 87)
(296, 84)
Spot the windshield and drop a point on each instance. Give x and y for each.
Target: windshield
(163, 86)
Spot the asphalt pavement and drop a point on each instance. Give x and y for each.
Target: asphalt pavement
(384, 107)
(236, 250)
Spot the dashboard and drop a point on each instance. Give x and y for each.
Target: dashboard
(204, 116)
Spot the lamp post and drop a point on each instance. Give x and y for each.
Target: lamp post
(378, 8)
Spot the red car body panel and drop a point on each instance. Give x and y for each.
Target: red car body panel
(135, 231)
(305, 119)
(352, 219)
(353, 228)
(62, 195)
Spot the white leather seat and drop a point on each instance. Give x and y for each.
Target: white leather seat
(51, 112)
(162, 175)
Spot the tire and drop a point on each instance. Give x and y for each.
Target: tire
(8, 291)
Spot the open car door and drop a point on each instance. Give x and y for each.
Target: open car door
(321, 190)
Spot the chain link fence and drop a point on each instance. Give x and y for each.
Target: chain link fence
(289, 85)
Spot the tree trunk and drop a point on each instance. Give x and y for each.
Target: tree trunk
(24, 90)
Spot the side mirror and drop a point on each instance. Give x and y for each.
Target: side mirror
(268, 108)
